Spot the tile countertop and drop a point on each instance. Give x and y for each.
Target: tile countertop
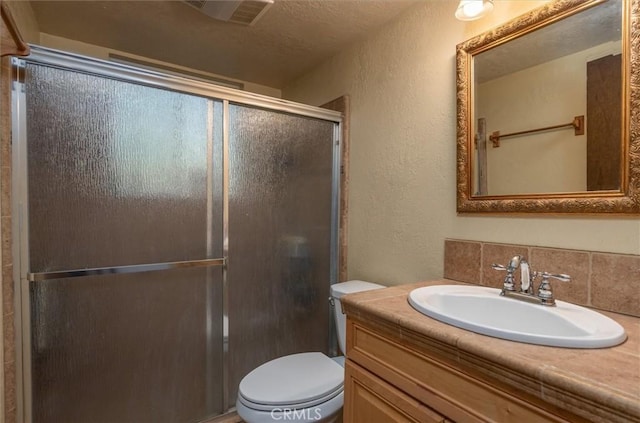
(598, 384)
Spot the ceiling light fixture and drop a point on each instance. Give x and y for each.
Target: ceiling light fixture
(469, 10)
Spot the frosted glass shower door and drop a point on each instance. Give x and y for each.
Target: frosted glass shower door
(170, 236)
(280, 236)
(122, 175)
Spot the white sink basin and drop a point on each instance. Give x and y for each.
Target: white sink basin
(484, 310)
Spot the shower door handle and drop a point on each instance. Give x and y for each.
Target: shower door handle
(118, 270)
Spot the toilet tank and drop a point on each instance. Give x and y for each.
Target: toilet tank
(337, 291)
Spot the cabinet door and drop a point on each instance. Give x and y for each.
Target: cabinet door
(370, 399)
(460, 396)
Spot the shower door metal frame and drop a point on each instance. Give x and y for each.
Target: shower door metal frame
(125, 73)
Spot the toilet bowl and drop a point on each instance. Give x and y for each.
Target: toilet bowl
(302, 388)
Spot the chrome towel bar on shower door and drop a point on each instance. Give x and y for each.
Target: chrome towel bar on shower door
(134, 268)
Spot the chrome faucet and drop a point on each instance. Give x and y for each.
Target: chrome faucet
(526, 282)
(544, 294)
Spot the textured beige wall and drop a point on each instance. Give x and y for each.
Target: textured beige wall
(403, 141)
(72, 46)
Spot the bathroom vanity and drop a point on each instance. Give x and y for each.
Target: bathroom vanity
(403, 366)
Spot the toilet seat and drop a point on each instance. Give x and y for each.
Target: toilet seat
(295, 381)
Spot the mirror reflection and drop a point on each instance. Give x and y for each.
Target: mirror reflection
(547, 108)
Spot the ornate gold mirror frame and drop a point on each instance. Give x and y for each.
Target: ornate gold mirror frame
(623, 201)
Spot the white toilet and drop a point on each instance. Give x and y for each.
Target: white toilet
(305, 387)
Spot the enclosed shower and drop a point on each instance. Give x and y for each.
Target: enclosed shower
(169, 236)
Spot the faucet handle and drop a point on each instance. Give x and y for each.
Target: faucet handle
(559, 276)
(507, 285)
(544, 290)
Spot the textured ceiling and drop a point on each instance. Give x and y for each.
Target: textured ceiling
(290, 39)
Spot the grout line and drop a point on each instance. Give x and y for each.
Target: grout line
(481, 261)
(590, 271)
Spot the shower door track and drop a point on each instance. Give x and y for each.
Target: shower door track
(104, 68)
(117, 270)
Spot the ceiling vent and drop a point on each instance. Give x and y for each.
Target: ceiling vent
(245, 12)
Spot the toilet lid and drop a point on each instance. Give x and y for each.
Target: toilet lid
(293, 379)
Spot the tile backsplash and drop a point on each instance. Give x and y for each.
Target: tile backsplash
(605, 281)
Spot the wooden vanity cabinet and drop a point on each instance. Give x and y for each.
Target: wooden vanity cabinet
(398, 379)
(370, 399)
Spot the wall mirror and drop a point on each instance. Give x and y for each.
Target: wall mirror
(548, 107)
